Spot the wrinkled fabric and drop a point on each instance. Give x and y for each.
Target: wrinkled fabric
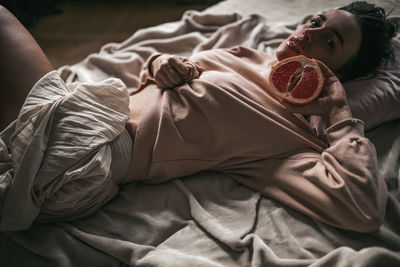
(208, 219)
(56, 156)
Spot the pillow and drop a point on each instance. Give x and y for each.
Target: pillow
(376, 100)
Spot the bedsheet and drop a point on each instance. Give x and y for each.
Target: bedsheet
(206, 219)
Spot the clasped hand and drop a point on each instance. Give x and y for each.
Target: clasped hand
(170, 71)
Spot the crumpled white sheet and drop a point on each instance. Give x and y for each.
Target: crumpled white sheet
(55, 158)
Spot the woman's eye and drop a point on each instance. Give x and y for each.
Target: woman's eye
(330, 41)
(315, 23)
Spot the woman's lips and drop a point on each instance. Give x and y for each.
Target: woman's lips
(295, 44)
(292, 46)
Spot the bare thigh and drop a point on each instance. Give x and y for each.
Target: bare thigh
(22, 64)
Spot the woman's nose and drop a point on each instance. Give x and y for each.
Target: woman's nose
(312, 34)
(308, 35)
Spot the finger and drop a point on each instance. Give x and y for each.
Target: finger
(160, 83)
(326, 71)
(180, 66)
(165, 80)
(173, 76)
(171, 73)
(328, 74)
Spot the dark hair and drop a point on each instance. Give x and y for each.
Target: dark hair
(375, 47)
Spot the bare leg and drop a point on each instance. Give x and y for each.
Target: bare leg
(22, 64)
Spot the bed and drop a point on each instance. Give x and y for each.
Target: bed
(209, 219)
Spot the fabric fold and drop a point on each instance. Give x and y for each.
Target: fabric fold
(56, 156)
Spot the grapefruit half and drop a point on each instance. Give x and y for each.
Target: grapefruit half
(297, 80)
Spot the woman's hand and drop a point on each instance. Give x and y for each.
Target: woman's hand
(332, 105)
(170, 71)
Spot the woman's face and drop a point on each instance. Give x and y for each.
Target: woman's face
(333, 38)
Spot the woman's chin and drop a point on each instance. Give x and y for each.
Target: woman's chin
(285, 53)
(289, 48)
(281, 55)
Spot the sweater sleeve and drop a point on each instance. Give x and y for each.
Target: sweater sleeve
(340, 186)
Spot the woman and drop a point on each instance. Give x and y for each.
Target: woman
(265, 147)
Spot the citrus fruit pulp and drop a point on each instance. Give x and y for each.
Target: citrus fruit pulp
(297, 80)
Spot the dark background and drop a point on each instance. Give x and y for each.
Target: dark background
(69, 30)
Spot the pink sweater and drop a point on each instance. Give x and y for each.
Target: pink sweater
(225, 121)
